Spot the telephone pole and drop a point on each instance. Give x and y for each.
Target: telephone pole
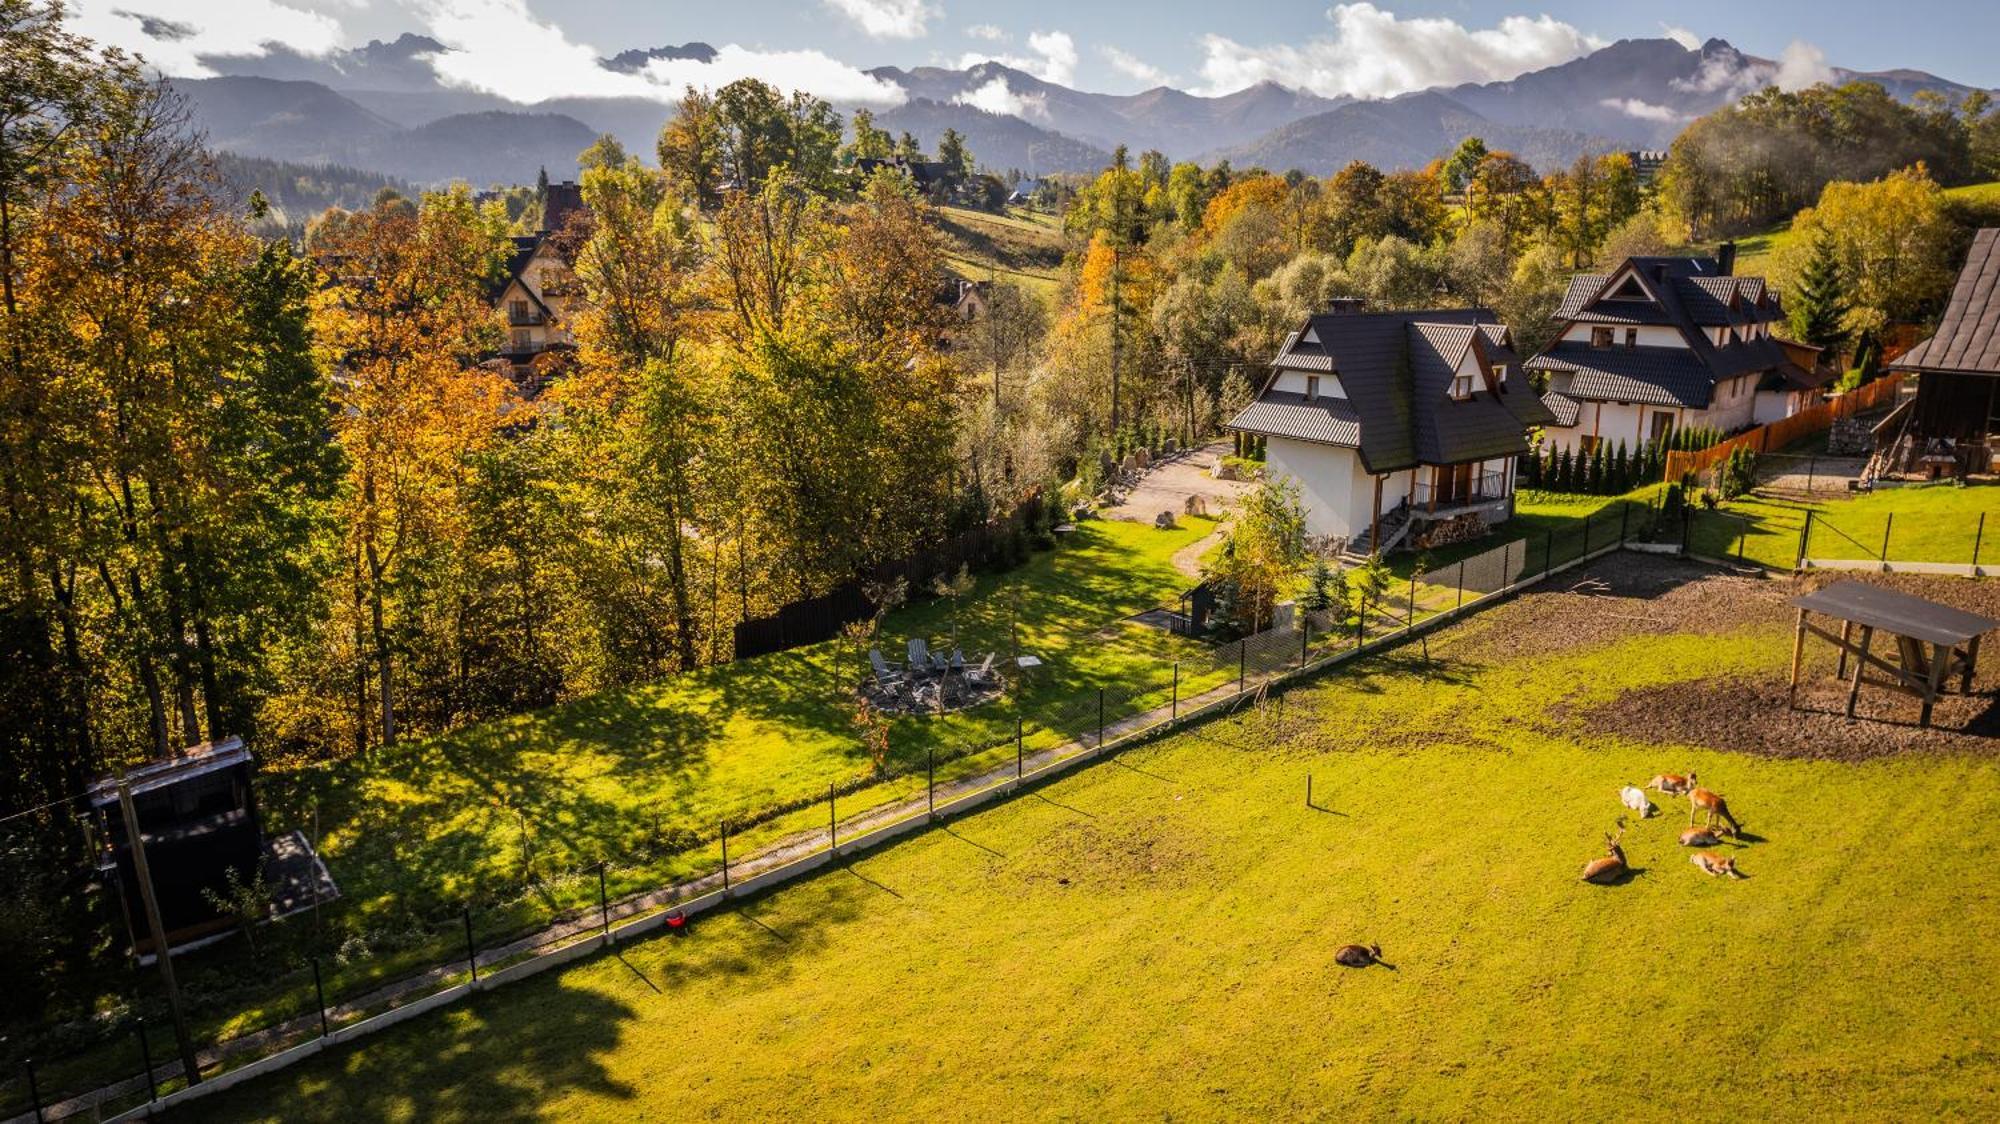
(159, 930)
(1117, 318)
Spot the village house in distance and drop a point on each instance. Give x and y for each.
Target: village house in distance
(1394, 421)
(538, 288)
(1661, 344)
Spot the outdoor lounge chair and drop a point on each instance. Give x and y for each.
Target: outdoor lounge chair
(920, 656)
(957, 662)
(885, 675)
(984, 672)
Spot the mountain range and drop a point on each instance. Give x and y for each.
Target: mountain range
(382, 107)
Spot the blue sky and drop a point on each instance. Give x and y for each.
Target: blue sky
(530, 49)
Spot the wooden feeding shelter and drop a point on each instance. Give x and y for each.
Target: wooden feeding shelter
(1932, 643)
(197, 815)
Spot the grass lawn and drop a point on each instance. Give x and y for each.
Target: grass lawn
(1925, 523)
(1153, 937)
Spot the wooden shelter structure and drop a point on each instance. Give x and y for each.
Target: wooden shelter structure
(1913, 623)
(1952, 426)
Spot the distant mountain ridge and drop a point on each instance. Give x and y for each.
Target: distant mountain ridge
(382, 107)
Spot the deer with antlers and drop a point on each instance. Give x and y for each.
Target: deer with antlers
(1612, 866)
(1702, 800)
(1673, 784)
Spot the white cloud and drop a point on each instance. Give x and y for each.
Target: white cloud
(1132, 66)
(1643, 110)
(1375, 53)
(987, 32)
(887, 19)
(1681, 35)
(1054, 59)
(500, 47)
(787, 70)
(174, 34)
(1800, 66)
(997, 97)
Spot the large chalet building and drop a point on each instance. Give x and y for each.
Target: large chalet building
(1663, 343)
(1388, 421)
(538, 292)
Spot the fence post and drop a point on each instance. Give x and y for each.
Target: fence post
(471, 957)
(1624, 517)
(1812, 462)
(1017, 746)
(1309, 790)
(1978, 537)
(1742, 537)
(34, 1090)
(1548, 553)
(1242, 662)
(603, 903)
(1687, 530)
(930, 775)
(1805, 542)
(1461, 579)
(1100, 719)
(146, 1048)
(1305, 635)
(1888, 523)
(1586, 537)
(725, 854)
(319, 997)
(832, 822)
(1175, 714)
(1410, 617)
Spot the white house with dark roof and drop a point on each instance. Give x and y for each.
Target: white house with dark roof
(1389, 420)
(1660, 344)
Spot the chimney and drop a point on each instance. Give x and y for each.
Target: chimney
(1339, 306)
(1725, 258)
(562, 200)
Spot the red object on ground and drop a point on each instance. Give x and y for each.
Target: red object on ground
(677, 920)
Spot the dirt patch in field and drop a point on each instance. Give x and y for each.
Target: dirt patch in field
(1623, 595)
(1094, 856)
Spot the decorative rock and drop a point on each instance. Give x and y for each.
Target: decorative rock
(1164, 521)
(1144, 458)
(1195, 505)
(1224, 471)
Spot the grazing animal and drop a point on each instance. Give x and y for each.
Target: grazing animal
(1714, 864)
(1611, 867)
(1702, 800)
(1673, 784)
(1704, 836)
(1635, 798)
(1358, 955)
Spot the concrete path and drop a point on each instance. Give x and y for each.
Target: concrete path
(1167, 486)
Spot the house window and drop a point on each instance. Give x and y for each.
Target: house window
(1587, 444)
(1631, 337)
(1500, 373)
(522, 341)
(1461, 387)
(1663, 425)
(1312, 387)
(1600, 337)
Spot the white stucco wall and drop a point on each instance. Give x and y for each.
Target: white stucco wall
(1294, 382)
(1650, 335)
(1326, 476)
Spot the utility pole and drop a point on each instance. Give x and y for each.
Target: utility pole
(159, 930)
(1117, 321)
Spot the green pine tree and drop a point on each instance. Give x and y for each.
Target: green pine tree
(1819, 301)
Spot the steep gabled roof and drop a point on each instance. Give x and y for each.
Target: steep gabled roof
(1968, 338)
(1396, 370)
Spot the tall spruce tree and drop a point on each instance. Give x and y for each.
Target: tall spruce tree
(1819, 301)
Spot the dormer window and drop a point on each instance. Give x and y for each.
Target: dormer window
(1461, 387)
(1600, 337)
(1631, 337)
(1500, 373)
(1312, 388)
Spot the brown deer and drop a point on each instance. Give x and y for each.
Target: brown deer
(1673, 784)
(1611, 867)
(1702, 800)
(1714, 864)
(1705, 836)
(1358, 955)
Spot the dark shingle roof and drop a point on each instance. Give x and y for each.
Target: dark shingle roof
(1968, 338)
(1661, 376)
(1328, 421)
(1564, 408)
(1396, 369)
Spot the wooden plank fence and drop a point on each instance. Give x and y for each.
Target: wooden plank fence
(1784, 431)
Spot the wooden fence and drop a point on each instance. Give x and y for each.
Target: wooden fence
(1784, 431)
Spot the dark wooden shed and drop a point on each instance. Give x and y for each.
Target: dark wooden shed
(1933, 643)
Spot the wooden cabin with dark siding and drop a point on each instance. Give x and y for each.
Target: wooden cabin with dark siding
(1955, 415)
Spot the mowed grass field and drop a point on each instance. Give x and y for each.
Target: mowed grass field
(1152, 937)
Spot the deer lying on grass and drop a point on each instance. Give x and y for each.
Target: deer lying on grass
(1714, 864)
(1705, 836)
(1358, 955)
(1673, 784)
(1635, 798)
(1702, 800)
(1611, 867)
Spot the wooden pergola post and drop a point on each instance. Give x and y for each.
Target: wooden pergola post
(1860, 664)
(1940, 660)
(1798, 660)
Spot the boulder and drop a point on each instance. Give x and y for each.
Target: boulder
(1165, 521)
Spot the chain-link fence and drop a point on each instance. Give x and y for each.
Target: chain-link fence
(305, 977)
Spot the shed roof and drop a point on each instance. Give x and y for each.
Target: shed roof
(204, 758)
(1900, 614)
(1968, 338)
